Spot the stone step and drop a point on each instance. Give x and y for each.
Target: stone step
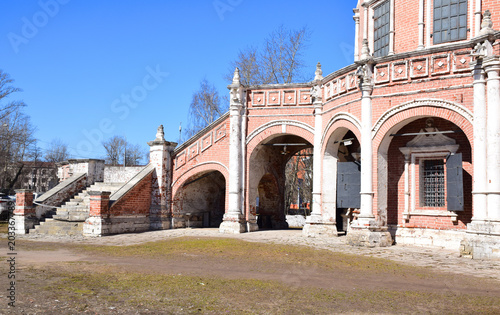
(55, 227)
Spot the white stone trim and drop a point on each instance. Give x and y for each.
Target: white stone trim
(198, 165)
(461, 110)
(280, 123)
(340, 116)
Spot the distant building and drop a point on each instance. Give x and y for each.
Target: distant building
(37, 176)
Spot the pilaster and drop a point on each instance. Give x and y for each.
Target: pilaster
(160, 157)
(24, 217)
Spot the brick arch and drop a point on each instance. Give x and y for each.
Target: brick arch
(447, 110)
(395, 119)
(201, 168)
(275, 129)
(341, 120)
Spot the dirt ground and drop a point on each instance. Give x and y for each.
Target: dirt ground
(43, 265)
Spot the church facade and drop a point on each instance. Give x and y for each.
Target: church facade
(405, 141)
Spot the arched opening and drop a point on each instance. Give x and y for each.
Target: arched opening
(341, 178)
(424, 176)
(200, 202)
(267, 181)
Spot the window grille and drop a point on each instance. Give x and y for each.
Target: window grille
(450, 20)
(381, 29)
(434, 183)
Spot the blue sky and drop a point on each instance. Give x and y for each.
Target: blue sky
(93, 69)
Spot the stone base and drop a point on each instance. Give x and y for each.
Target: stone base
(22, 223)
(95, 226)
(320, 230)
(368, 238)
(252, 226)
(232, 224)
(160, 224)
(481, 241)
(429, 237)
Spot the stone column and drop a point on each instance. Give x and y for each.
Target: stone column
(366, 211)
(365, 230)
(160, 157)
(315, 225)
(492, 67)
(480, 155)
(233, 221)
(24, 217)
(98, 223)
(482, 240)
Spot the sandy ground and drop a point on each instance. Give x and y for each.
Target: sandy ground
(440, 259)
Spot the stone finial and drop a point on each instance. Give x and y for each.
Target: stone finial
(160, 135)
(486, 24)
(236, 77)
(365, 50)
(318, 73)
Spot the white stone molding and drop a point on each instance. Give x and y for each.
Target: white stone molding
(421, 25)
(199, 165)
(459, 109)
(440, 67)
(340, 116)
(400, 70)
(273, 123)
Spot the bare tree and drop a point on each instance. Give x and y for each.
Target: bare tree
(119, 151)
(17, 143)
(114, 147)
(205, 108)
(298, 181)
(134, 154)
(57, 151)
(7, 107)
(279, 60)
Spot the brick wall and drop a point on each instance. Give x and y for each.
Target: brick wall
(136, 202)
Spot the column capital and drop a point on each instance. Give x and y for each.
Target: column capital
(491, 64)
(365, 75)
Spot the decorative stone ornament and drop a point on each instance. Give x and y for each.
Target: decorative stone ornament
(235, 89)
(365, 75)
(160, 135)
(318, 73)
(482, 50)
(365, 51)
(486, 24)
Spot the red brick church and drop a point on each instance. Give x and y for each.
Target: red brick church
(406, 140)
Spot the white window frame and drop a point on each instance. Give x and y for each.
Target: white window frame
(369, 23)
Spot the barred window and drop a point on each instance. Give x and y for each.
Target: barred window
(381, 29)
(434, 183)
(450, 20)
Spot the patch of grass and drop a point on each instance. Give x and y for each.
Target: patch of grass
(265, 254)
(191, 294)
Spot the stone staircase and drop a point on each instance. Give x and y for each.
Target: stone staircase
(69, 218)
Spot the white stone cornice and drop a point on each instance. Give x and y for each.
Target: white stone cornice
(279, 123)
(340, 116)
(461, 110)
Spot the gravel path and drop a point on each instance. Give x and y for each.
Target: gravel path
(441, 259)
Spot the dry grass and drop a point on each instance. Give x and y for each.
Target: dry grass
(114, 289)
